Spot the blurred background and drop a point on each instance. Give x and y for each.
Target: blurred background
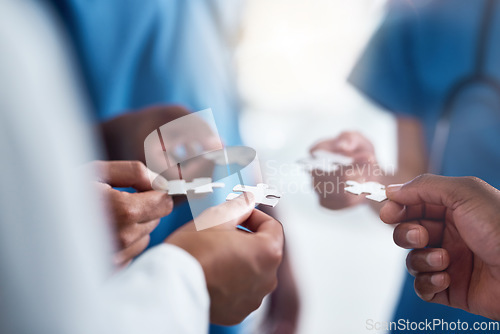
(293, 59)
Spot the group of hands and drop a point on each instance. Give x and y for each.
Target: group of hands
(452, 225)
(240, 268)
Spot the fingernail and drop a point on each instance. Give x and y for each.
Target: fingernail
(426, 297)
(435, 259)
(437, 279)
(160, 183)
(393, 187)
(413, 236)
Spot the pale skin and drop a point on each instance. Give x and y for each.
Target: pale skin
(453, 227)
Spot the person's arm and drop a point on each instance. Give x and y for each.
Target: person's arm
(412, 161)
(55, 254)
(386, 73)
(55, 257)
(240, 268)
(163, 290)
(453, 227)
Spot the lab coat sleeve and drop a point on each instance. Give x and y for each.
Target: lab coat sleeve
(55, 253)
(164, 283)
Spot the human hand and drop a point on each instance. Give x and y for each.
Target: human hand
(124, 135)
(453, 225)
(240, 267)
(330, 185)
(133, 215)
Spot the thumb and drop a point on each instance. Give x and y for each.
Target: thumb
(431, 189)
(228, 214)
(473, 204)
(124, 174)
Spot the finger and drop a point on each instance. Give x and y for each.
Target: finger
(228, 214)
(427, 260)
(444, 191)
(410, 236)
(427, 285)
(268, 233)
(395, 213)
(346, 146)
(124, 256)
(129, 174)
(131, 233)
(326, 145)
(145, 206)
(261, 223)
(352, 142)
(364, 157)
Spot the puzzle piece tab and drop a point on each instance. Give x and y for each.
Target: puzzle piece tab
(325, 161)
(202, 185)
(375, 191)
(262, 193)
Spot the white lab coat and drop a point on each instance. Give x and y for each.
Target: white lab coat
(55, 274)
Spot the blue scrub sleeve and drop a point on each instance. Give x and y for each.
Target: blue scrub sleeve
(385, 72)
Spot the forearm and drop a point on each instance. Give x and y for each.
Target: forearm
(412, 154)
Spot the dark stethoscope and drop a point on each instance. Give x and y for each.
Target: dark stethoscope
(478, 78)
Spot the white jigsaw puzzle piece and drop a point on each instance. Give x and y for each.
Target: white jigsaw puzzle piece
(176, 187)
(208, 188)
(375, 190)
(202, 185)
(325, 161)
(262, 194)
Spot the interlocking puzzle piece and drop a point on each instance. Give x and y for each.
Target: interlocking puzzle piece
(375, 191)
(262, 194)
(202, 185)
(325, 161)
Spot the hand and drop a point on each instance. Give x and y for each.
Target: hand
(240, 267)
(330, 185)
(124, 135)
(453, 225)
(133, 215)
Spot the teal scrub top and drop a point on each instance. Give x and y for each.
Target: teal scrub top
(409, 67)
